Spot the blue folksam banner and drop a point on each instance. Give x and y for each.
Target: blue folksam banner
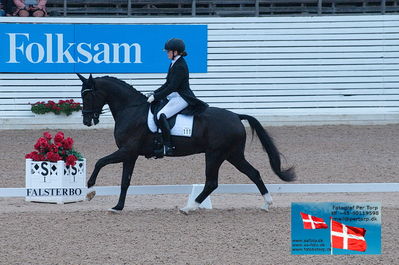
(93, 48)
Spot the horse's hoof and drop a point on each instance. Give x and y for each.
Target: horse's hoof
(114, 211)
(184, 211)
(90, 195)
(191, 207)
(90, 183)
(265, 207)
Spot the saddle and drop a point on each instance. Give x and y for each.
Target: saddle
(180, 124)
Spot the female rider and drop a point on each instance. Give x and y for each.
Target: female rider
(177, 90)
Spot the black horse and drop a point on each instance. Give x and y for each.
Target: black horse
(218, 133)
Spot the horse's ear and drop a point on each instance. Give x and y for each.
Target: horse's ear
(82, 78)
(90, 82)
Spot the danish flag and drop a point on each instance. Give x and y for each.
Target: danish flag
(312, 222)
(347, 237)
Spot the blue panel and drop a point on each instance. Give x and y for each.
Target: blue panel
(87, 48)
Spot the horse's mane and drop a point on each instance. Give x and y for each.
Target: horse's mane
(122, 83)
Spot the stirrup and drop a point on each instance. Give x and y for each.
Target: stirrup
(159, 153)
(168, 150)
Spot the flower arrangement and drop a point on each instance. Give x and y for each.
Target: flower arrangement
(60, 149)
(63, 106)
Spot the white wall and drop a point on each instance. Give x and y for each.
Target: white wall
(283, 70)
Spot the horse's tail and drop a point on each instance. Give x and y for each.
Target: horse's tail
(270, 148)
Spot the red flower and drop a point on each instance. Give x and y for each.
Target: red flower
(67, 143)
(60, 149)
(59, 137)
(37, 145)
(39, 157)
(31, 155)
(41, 144)
(47, 135)
(53, 157)
(35, 156)
(71, 160)
(63, 106)
(54, 148)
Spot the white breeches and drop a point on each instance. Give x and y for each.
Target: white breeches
(176, 103)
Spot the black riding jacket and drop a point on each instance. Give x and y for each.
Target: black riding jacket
(177, 80)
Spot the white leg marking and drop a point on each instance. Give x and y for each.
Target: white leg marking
(113, 211)
(190, 207)
(268, 201)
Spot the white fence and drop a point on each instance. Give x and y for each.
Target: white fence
(284, 70)
(232, 189)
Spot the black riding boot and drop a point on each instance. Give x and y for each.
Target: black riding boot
(164, 125)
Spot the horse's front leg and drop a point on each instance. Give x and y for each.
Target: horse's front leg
(116, 157)
(128, 167)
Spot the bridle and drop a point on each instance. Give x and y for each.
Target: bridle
(95, 112)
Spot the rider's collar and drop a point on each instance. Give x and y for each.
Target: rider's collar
(174, 60)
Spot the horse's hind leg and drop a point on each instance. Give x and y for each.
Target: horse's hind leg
(238, 160)
(213, 162)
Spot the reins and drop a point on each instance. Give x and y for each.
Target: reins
(130, 105)
(97, 112)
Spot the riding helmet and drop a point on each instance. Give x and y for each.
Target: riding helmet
(175, 45)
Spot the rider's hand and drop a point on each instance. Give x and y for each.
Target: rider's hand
(150, 99)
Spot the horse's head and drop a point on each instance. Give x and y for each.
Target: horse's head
(93, 101)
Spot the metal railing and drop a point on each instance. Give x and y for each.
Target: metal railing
(220, 8)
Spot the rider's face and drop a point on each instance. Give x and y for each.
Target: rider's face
(171, 53)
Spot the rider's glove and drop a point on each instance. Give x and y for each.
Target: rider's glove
(150, 99)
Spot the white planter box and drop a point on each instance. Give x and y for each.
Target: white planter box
(74, 115)
(54, 182)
